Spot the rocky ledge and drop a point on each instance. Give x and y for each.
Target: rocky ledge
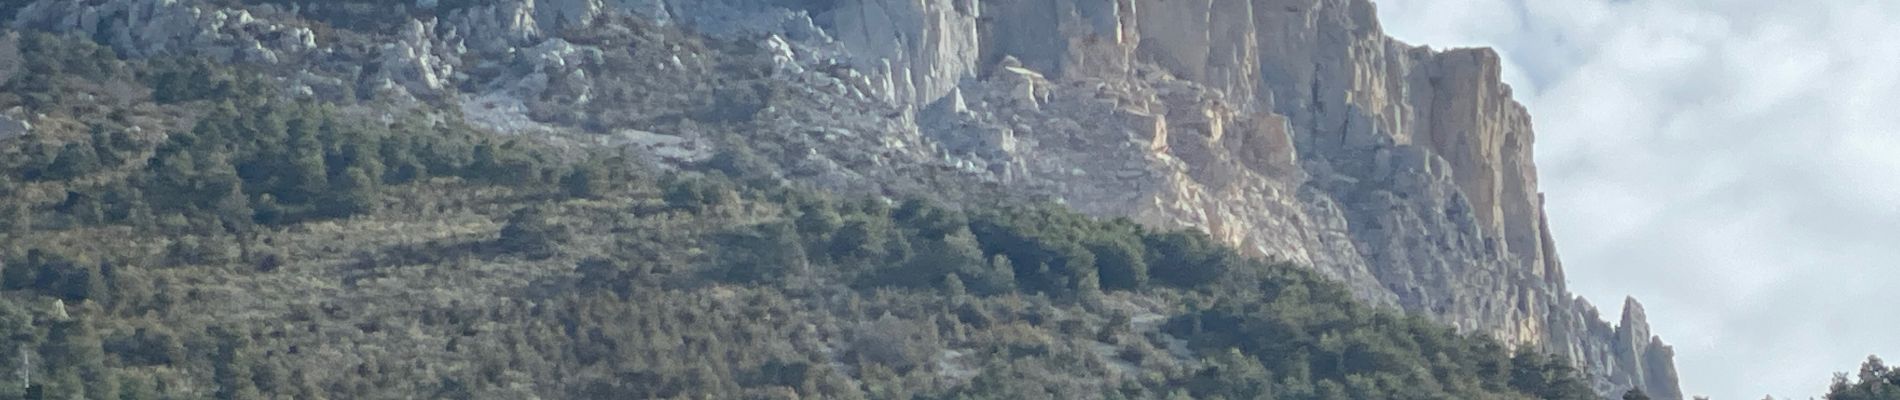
(1291, 128)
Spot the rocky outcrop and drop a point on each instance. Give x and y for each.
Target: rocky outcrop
(1646, 362)
(921, 50)
(1291, 128)
(414, 62)
(148, 27)
(1294, 128)
(12, 126)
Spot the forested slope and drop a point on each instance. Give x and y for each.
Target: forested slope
(178, 229)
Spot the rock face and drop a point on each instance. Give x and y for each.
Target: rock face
(1295, 128)
(1290, 128)
(148, 28)
(11, 127)
(1647, 362)
(923, 48)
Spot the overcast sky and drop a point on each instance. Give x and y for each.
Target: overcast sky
(1734, 164)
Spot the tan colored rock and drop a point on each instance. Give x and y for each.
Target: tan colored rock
(930, 45)
(1290, 128)
(1426, 152)
(1265, 143)
(143, 28)
(1151, 128)
(1211, 42)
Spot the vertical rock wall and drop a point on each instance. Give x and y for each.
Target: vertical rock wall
(1290, 128)
(1421, 155)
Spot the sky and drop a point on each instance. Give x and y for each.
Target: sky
(1733, 164)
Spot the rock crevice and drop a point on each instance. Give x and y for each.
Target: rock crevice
(1290, 128)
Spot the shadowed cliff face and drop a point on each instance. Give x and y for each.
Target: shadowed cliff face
(1291, 128)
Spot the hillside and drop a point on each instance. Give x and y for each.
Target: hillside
(718, 199)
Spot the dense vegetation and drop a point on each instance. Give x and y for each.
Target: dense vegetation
(180, 230)
(1875, 381)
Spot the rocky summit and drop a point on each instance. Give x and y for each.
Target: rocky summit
(1293, 129)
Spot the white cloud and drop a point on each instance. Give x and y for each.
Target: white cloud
(1735, 164)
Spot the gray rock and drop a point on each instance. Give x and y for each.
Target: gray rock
(414, 62)
(655, 10)
(153, 27)
(11, 127)
(1435, 134)
(931, 45)
(1289, 128)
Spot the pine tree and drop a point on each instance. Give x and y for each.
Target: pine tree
(861, 242)
(528, 233)
(588, 180)
(76, 359)
(1001, 277)
(211, 189)
(75, 280)
(104, 146)
(74, 160)
(231, 366)
(138, 389)
(356, 193)
(1121, 262)
(953, 287)
(307, 178)
(761, 253)
(818, 221)
(954, 254)
(15, 216)
(402, 165)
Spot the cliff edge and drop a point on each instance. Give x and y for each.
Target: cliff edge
(1291, 128)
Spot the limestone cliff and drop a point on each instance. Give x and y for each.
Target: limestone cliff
(1294, 128)
(1305, 123)
(1291, 128)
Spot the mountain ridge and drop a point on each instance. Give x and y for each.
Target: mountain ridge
(1402, 171)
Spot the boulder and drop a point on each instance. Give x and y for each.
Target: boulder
(11, 127)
